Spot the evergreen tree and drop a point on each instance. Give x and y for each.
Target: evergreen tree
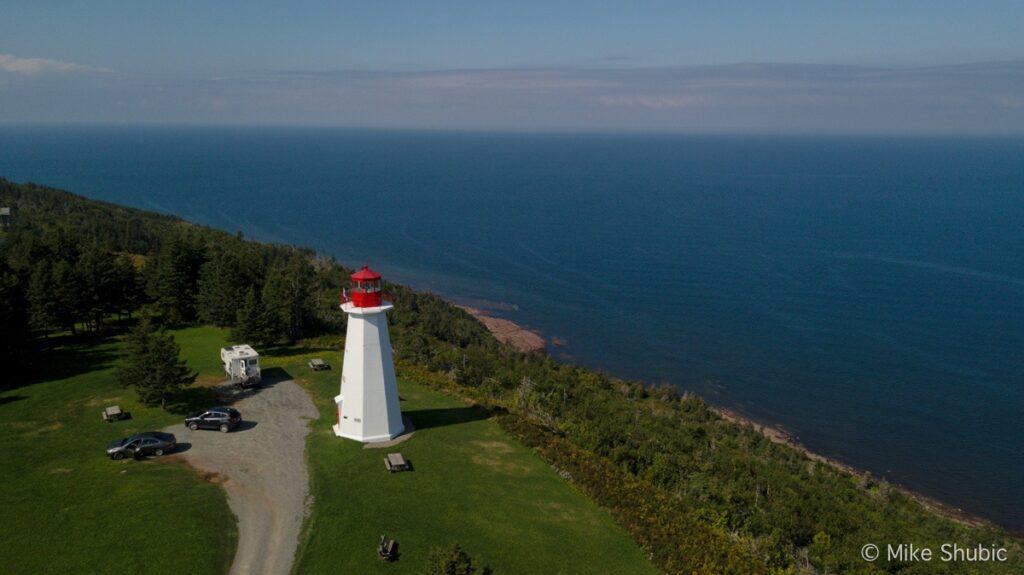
(152, 364)
(453, 560)
(14, 332)
(173, 277)
(42, 303)
(254, 323)
(65, 295)
(134, 370)
(221, 288)
(128, 287)
(287, 294)
(98, 289)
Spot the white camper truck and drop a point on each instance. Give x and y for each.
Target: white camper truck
(241, 364)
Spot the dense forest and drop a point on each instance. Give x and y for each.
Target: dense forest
(698, 492)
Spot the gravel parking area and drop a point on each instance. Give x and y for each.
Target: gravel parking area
(263, 470)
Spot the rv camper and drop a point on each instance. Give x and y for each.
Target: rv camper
(241, 364)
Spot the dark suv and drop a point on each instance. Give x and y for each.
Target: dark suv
(148, 443)
(222, 418)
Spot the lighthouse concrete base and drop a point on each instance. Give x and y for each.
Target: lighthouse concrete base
(337, 431)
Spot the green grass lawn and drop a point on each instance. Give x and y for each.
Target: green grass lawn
(472, 484)
(66, 508)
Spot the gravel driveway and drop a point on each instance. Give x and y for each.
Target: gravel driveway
(263, 468)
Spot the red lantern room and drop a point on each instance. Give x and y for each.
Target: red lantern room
(366, 288)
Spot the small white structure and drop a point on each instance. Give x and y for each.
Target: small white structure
(368, 407)
(241, 364)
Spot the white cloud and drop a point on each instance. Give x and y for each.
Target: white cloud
(980, 98)
(1012, 102)
(657, 102)
(16, 65)
(508, 80)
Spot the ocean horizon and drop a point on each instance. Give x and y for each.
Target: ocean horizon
(864, 293)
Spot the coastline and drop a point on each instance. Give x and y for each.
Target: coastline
(779, 435)
(526, 340)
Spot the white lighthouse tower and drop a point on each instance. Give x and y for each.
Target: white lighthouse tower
(368, 404)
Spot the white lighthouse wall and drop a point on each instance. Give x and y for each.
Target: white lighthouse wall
(369, 409)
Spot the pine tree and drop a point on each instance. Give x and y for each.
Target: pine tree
(41, 301)
(96, 272)
(152, 364)
(14, 333)
(134, 369)
(254, 323)
(172, 277)
(65, 295)
(222, 285)
(128, 289)
(287, 296)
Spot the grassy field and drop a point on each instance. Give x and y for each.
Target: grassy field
(471, 484)
(66, 508)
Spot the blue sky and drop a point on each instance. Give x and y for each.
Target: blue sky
(905, 66)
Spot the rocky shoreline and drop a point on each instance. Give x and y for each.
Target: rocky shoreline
(779, 435)
(509, 332)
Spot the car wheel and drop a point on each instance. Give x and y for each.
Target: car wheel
(158, 452)
(224, 428)
(117, 456)
(193, 426)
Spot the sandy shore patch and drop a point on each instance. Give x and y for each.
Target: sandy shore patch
(509, 332)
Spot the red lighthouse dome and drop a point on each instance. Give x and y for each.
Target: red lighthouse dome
(366, 288)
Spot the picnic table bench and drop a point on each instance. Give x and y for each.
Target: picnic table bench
(387, 549)
(395, 462)
(114, 413)
(318, 364)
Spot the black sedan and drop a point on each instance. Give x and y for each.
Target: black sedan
(222, 418)
(140, 444)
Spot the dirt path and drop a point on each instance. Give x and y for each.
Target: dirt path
(263, 468)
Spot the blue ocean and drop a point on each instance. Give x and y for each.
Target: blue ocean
(864, 293)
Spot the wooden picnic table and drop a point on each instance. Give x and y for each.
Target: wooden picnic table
(395, 462)
(113, 413)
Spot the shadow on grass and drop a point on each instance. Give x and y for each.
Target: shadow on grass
(290, 350)
(230, 393)
(191, 400)
(273, 375)
(64, 356)
(12, 399)
(441, 417)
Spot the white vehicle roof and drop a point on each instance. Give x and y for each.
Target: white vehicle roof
(238, 352)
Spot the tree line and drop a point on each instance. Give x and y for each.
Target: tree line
(62, 272)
